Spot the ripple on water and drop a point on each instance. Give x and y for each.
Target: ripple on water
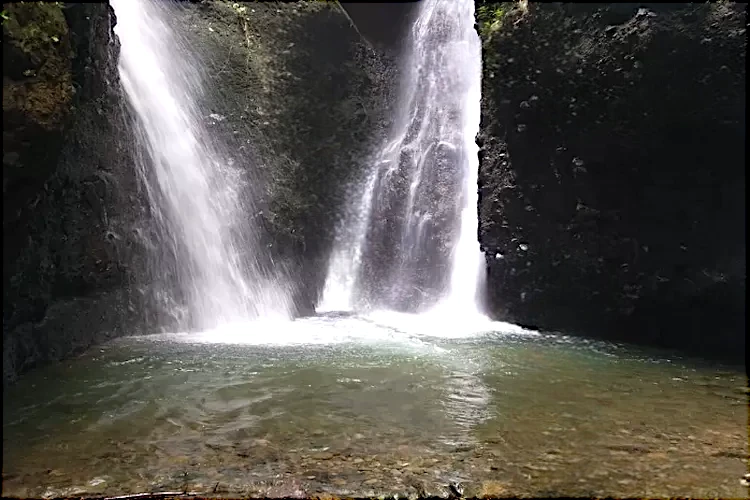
(545, 414)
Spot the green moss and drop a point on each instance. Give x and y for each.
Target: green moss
(34, 25)
(492, 15)
(37, 66)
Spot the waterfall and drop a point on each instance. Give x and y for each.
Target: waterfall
(468, 265)
(347, 257)
(198, 200)
(411, 243)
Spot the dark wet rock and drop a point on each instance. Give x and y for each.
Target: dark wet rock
(382, 24)
(304, 99)
(455, 490)
(69, 191)
(612, 148)
(292, 88)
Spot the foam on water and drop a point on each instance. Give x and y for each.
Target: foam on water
(445, 324)
(378, 327)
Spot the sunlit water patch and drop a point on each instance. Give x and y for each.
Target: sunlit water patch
(354, 405)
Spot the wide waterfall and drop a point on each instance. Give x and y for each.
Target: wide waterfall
(199, 201)
(411, 241)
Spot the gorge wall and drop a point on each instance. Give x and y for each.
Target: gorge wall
(612, 177)
(303, 98)
(70, 196)
(611, 164)
(294, 88)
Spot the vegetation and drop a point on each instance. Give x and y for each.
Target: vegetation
(491, 15)
(34, 25)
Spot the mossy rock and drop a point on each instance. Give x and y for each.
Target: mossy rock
(37, 79)
(34, 33)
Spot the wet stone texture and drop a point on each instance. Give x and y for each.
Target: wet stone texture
(71, 257)
(612, 198)
(303, 99)
(76, 231)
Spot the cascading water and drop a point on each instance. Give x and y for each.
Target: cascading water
(198, 199)
(412, 243)
(347, 257)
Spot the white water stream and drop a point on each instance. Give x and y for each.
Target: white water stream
(198, 199)
(432, 150)
(427, 171)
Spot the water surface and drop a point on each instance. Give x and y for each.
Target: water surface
(371, 405)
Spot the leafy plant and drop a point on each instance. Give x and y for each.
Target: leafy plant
(490, 16)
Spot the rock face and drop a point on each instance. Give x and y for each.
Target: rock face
(69, 258)
(612, 178)
(292, 87)
(303, 98)
(383, 24)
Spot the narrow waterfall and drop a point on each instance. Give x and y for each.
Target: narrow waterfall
(467, 270)
(198, 199)
(411, 242)
(347, 256)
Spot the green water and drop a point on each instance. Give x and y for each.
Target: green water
(371, 409)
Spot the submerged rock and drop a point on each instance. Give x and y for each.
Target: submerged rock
(630, 149)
